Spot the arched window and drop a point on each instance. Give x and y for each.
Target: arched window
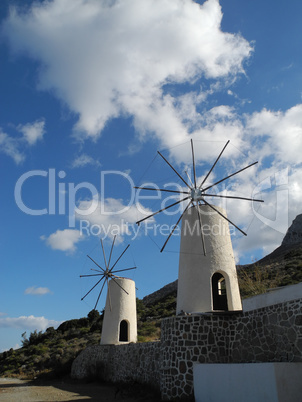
(219, 293)
(123, 331)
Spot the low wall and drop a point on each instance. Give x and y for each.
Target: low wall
(269, 382)
(120, 363)
(275, 296)
(272, 334)
(268, 334)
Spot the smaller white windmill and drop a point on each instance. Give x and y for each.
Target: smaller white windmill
(120, 322)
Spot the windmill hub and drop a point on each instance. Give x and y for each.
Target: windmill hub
(196, 194)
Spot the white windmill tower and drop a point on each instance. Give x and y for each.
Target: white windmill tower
(120, 321)
(207, 279)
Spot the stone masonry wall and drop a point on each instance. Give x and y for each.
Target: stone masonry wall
(120, 363)
(270, 334)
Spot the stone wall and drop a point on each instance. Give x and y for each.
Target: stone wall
(120, 363)
(272, 334)
(269, 334)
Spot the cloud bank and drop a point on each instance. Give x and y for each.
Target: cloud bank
(28, 322)
(159, 63)
(107, 59)
(110, 217)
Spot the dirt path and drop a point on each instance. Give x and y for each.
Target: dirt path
(14, 390)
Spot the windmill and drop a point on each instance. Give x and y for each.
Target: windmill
(197, 194)
(120, 322)
(107, 273)
(208, 281)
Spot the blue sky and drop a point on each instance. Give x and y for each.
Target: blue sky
(90, 90)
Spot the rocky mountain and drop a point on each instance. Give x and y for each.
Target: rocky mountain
(294, 232)
(160, 294)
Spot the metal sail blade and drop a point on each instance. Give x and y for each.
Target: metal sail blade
(120, 286)
(162, 249)
(210, 171)
(104, 255)
(92, 288)
(201, 229)
(163, 209)
(233, 174)
(96, 263)
(174, 170)
(119, 258)
(122, 270)
(96, 270)
(107, 274)
(232, 197)
(162, 189)
(211, 206)
(189, 180)
(99, 295)
(111, 251)
(193, 159)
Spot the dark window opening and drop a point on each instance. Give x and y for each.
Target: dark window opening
(220, 301)
(123, 331)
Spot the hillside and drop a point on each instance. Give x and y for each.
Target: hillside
(50, 354)
(282, 267)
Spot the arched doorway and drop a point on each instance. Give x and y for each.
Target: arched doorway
(219, 293)
(123, 331)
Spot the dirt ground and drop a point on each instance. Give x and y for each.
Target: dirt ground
(15, 390)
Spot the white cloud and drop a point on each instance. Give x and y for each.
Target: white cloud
(282, 132)
(15, 147)
(64, 240)
(10, 147)
(107, 59)
(84, 160)
(28, 322)
(32, 132)
(37, 291)
(110, 217)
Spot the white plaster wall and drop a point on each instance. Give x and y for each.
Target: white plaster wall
(120, 306)
(196, 270)
(248, 382)
(276, 296)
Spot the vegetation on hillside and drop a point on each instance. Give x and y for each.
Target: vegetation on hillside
(260, 277)
(149, 317)
(51, 353)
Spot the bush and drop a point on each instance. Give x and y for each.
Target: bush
(73, 324)
(93, 316)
